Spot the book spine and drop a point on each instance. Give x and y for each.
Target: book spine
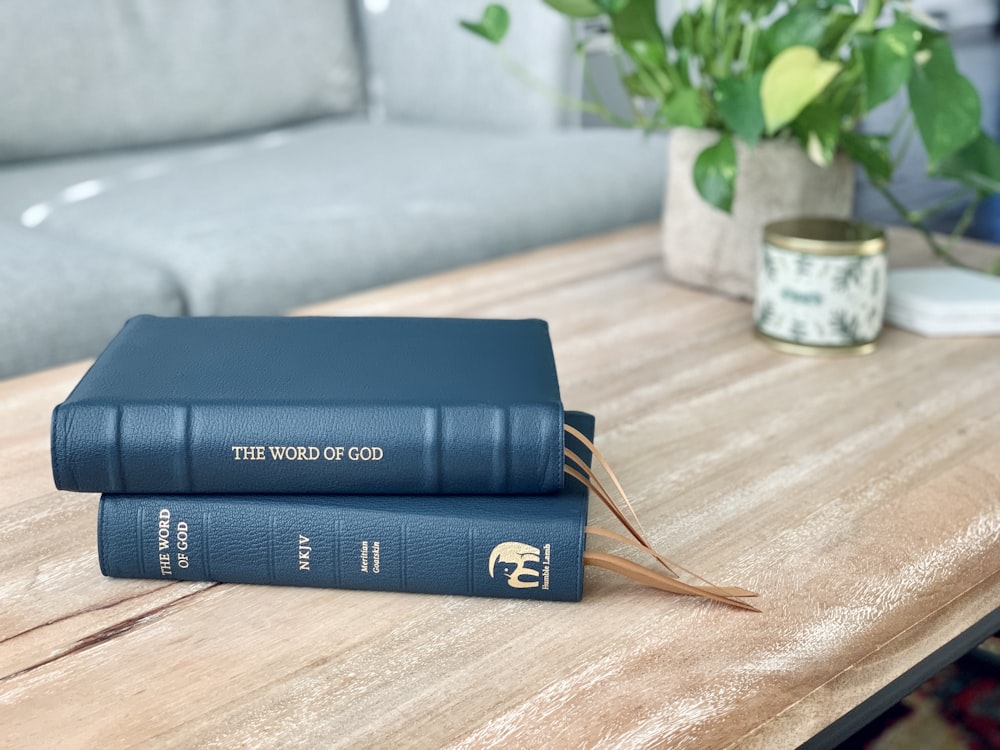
(308, 448)
(530, 548)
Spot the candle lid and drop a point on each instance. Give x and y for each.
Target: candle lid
(825, 236)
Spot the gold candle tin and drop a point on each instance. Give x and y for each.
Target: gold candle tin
(821, 286)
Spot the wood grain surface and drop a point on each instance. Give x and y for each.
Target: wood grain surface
(860, 497)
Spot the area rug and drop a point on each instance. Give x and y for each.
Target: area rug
(958, 708)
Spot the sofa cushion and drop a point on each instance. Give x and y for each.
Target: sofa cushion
(263, 224)
(96, 74)
(62, 300)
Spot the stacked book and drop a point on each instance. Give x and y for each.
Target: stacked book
(403, 454)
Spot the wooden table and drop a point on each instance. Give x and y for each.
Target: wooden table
(860, 497)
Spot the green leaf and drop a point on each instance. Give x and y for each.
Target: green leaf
(872, 153)
(576, 8)
(802, 25)
(639, 85)
(869, 15)
(706, 41)
(818, 127)
(738, 100)
(888, 59)
(685, 107)
(760, 8)
(847, 90)
(715, 174)
(638, 31)
(493, 26)
(838, 22)
(684, 29)
(792, 80)
(612, 6)
(976, 165)
(945, 105)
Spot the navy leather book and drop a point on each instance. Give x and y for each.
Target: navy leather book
(315, 405)
(522, 547)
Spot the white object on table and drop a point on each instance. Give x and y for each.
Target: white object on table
(944, 301)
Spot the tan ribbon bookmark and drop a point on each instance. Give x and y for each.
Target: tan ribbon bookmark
(669, 582)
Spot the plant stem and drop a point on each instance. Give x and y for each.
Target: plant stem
(852, 30)
(966, 218)
(841, 88)
(557, 97)
(640, 117)
(747, 44)
(943, 251)
(942, 204)
(591, 87)
(905, 145)
(904, 116)
(735, 36)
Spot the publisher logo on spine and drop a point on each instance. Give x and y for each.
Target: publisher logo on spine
(524, 566)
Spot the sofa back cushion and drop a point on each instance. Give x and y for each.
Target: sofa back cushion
(423, 67)
(85, 75)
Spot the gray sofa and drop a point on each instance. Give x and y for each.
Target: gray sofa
(203, 157)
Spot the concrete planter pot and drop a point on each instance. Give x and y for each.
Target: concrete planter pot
(710, 249)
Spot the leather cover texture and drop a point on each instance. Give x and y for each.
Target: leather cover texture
(315, 405)
(519, 547)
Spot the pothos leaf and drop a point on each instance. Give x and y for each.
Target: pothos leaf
(685, 107)
(715, 174)
(792, 80)
(977, 165)
(612, 6)
(576, 8)
(945, 104)
(887, 60)
(492, 26)
(818, 127)
(800, 25)
(638, 30)
(738, 100)
(871, 152)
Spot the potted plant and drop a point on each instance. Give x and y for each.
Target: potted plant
(766, 101)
